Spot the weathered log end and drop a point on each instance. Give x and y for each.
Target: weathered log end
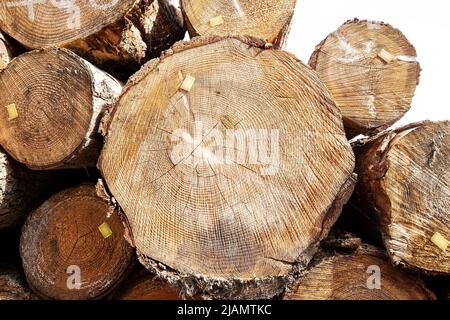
(365, 274)
(372, 72)
(204, 206)
(73, 246)
(267, 20)
(52, 102)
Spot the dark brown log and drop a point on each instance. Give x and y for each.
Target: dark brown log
(230, 227)
(73, 246)
(372, 72)
(113, 34)
(145, 286)
(336, 276)
(52, 102)
(404, 189)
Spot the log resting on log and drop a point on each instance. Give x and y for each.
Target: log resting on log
(404, 186)
(337, 276)
(73, 246)
(145, 286)
(371, 70)
(205, 207)
(13, 285)
(19, 192)
(23, 190)
(6, 54)
(264, 19)
(112, 34)
(51, 105)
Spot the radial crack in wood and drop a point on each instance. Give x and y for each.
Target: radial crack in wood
(58, 99)
(363, 275)
(229, 186)
(371, 70)
(267, 20)
(64, 254)
(404, 187)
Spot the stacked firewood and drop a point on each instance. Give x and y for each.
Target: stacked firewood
(134, 165)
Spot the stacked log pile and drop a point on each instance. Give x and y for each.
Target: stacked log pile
(222, 165)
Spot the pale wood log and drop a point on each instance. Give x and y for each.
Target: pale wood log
(51, 105)
(232, 228)
(371, 70)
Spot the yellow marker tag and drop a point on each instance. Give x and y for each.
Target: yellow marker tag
(105, 230)
(12, 111)
(216, 21)
(188, 83)
(386, 56)
(439, 240)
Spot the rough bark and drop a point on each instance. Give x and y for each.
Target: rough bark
(339, 276)
(58, 100)
(238, 227)
(18, 192)
(13, 285)
(371, 70)
(263, 19)
(404, 188)
(6, 53)
(62, 240)
(23, 190)
(115, 35)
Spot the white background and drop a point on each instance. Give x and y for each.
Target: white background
(426, 24)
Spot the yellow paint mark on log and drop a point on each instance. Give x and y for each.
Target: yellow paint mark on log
(105, 230)
(12, 111)
(440, 241)
(386, 56)
(188, 83)
(216, 21)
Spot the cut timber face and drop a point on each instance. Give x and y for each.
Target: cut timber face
(404, 175)
(352, 277)
(372, 73)
(41, 24)
(267, 20)
(62, 247)
(236, 219)
(115, 35)
(51, 105)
